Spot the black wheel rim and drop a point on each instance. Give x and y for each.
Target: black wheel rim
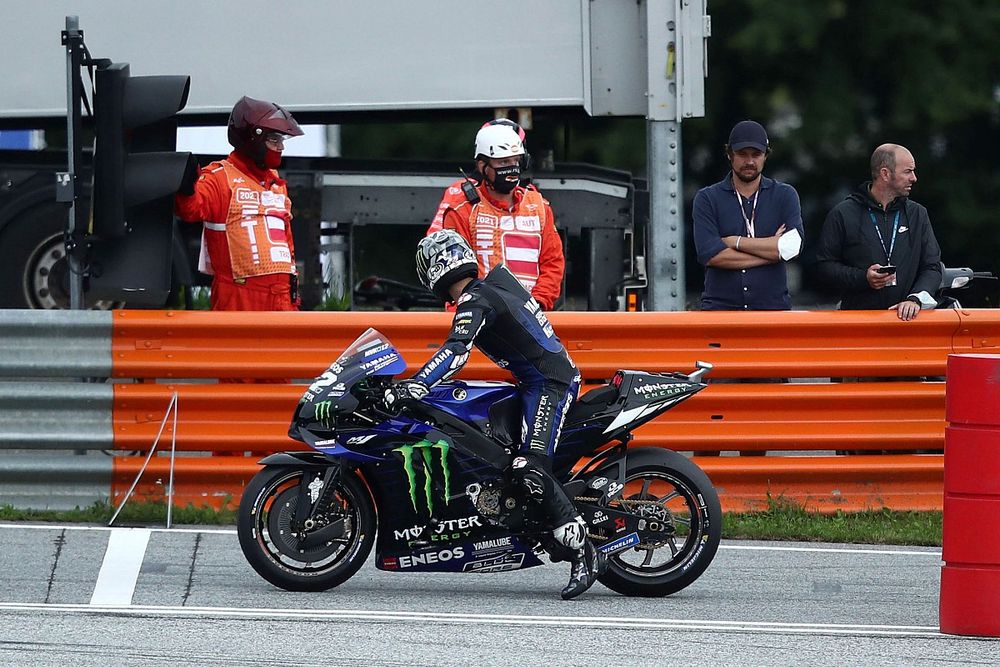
(46, 279)
(280, 541)
(661, 497)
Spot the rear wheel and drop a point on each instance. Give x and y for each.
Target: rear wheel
(665, 487)
(33, 264)
(288, 554)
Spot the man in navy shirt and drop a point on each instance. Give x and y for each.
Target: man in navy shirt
(746, 227)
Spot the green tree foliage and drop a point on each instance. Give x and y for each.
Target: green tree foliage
(833, 79)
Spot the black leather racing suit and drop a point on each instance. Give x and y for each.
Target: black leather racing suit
(500, 318)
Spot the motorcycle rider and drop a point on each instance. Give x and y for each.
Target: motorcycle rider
(497, 315)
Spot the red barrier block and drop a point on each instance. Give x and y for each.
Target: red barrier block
(972, 395)
(970, 576)
(970, 531)
(972, 450)
(970, 600)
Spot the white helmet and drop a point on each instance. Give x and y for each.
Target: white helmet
(498, 141)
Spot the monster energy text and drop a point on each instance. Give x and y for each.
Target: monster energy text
(426, 450)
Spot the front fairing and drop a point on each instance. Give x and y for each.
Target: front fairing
(338, 391)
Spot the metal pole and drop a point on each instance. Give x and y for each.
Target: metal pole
(152, 450)
(665, 267)
(75, 225)
(665, 237)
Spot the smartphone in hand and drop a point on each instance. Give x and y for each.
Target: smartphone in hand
(887, 270)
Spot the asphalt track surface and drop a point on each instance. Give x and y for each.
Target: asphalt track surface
(86, 595)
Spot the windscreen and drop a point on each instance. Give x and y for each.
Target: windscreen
(370, 354)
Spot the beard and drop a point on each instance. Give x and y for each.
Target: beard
(748, 174)
(901, 190)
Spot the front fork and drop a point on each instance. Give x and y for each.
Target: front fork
(315, 489)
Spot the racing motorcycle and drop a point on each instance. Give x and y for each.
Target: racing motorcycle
(428, 485)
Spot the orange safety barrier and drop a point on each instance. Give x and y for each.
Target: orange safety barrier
(800, 416)
(211, 481)
(239, 417)
(822, 483)
(198, 344)
(827, 483)
(218, 418)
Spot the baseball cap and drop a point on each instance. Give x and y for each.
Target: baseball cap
(748, 134)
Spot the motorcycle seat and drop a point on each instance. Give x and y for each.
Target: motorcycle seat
(600, 396)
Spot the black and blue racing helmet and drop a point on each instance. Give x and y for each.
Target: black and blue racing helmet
(444, 258)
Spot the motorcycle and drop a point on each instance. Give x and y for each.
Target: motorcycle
(428, 486)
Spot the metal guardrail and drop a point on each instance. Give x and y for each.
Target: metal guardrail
(54, 480)
(50, 425)
(55, 343)
(55, 415)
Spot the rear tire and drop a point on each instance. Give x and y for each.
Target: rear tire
(270, 542)
(34, 269)
(666, 486)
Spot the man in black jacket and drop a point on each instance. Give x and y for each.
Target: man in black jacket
(877, 246)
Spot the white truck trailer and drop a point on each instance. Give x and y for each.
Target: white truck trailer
(342, 61)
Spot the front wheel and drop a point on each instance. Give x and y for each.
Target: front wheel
(664, 486)
(282, 551)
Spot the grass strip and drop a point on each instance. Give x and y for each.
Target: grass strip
(785, 520)
(133, 514)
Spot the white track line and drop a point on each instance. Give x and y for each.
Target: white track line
(53, 526)
(120, 569)
(616, 623)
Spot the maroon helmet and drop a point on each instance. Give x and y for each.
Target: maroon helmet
(252, 119)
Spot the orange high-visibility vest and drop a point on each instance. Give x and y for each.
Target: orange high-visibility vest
(513, 237)
(257, 227)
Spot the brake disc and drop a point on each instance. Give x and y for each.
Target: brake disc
(283, 535)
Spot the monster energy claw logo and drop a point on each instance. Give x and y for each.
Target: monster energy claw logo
(426, 450)
(322, 412)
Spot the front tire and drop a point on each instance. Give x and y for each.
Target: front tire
(666, 486)
(271, 542)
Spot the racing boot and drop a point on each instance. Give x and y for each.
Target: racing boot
(589, 564)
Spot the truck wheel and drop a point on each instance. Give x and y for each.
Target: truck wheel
(34, 271)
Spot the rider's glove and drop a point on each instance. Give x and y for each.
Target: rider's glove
(404, 390)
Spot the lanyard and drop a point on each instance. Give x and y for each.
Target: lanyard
(753, 212)
(892, 244)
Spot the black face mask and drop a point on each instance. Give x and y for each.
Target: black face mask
(505, 179)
